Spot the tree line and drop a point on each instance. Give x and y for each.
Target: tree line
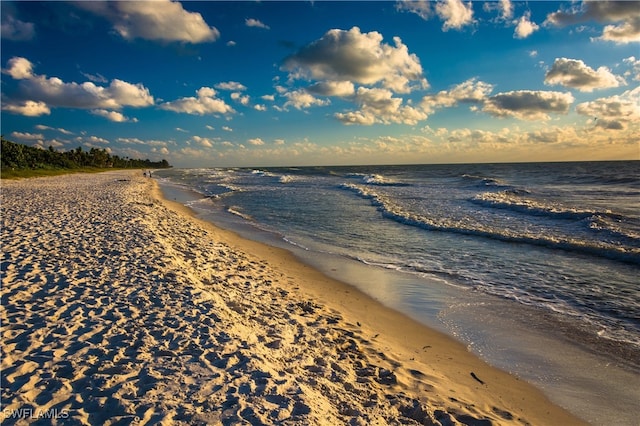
(16, 156)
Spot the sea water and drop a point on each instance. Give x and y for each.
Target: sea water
(535, 266)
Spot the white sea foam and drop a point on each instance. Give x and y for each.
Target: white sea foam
(236, 211)
(287, 179)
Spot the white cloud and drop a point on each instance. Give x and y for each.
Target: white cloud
(627, 32)
(533, 144)
(471, 91)
(57, 144)
(505, 7)
(478, 136)
(27, 108)
(301, 99)
(250, 22)
(206, 92)
(144, 148)
(204, 103)
(205, 142)
(576, 74)
(525, 27)
(455, 14)
(333, 88)
(260, 107)
(364, 118)
(91, 140)
(240, 98)
(15, 29)
(114, 116)
(527, 104)
(131, 141)
(161, 20)
(379, 106)
(624, 14)
(227, 129)
(268, 97)
(255, 142)
(55, 92)
(37, 93)
(357, 57)
(634, 63)
(59, 129)
(19, 68)
(614, 112)
(27, 136)
(422, 8)
(610, 11)
(231, 85)
(46, 143)
(97, 78)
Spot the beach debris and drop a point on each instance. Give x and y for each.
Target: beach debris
(476, 377)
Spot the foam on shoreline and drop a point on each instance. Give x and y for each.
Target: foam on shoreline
(118, 305)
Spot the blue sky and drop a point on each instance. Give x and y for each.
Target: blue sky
(213, 84)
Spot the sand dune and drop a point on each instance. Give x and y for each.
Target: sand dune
(120, 308)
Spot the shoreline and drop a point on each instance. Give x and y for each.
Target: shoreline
(214, 327)
(592, 378)
(391, 322)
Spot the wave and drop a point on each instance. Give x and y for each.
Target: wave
(511, 200)
(610, 225)
(390, 210)
(287, 179)
(262, 173)
(376, 179)
(217, 190)
(598, 221)
(236, 211)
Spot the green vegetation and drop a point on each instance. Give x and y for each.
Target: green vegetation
(25, 161)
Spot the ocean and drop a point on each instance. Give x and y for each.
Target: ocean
(535, 266)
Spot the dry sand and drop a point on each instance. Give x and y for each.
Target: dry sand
(119, 307)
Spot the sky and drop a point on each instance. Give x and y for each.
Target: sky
(229, 84)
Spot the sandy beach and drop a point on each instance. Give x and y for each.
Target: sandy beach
(120, 307)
